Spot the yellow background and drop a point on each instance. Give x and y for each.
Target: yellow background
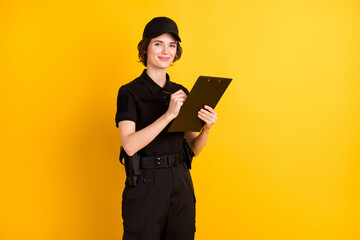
(282, 162)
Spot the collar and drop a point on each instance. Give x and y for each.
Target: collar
(153, 86)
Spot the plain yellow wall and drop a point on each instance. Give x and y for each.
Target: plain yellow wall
(282, 162)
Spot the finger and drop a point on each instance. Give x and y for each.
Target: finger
(210, 109)
(202, 117)
(179, 98)
(174, 95)
(209, 114)
(179, 92)
(206, 120)
(179, 104)
(208, 117)
(179, 101)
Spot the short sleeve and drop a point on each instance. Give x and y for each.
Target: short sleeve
(185, 90)
(126, 107)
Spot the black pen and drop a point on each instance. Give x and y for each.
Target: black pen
(167, 92)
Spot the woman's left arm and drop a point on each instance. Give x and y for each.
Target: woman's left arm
(198, 141)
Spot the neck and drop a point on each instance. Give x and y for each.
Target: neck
(158, 75)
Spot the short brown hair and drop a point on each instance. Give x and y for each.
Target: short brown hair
(143, 45)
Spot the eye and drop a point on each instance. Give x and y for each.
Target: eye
(157, 44)
(173, 45)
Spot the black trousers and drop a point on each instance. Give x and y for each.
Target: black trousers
(161, 206)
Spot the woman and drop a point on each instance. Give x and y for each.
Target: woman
(162, 204)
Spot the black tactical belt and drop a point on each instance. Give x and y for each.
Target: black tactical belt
(165, 161)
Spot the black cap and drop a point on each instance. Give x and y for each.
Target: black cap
(160, 25)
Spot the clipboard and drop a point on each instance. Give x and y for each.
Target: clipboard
(206, 91)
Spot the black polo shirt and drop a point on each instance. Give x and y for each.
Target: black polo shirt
(144, 101)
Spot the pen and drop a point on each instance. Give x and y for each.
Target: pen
(167, 92)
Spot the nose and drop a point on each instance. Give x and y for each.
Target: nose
(165, 50)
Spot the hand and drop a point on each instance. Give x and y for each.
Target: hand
(209, 116)
(177, 99)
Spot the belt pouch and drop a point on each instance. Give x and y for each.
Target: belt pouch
(132, 166)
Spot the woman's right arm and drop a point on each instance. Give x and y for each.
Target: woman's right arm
(133, 141)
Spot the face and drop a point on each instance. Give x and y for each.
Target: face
(161, 51)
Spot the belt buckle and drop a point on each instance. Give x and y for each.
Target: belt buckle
(157, 162)
(162, 162)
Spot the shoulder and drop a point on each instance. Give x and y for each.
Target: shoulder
(131, 88)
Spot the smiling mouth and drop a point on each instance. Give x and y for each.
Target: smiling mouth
(164, 58)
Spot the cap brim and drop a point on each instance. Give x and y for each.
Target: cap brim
(154, 35)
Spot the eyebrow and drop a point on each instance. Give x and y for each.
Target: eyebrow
(162, 41)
